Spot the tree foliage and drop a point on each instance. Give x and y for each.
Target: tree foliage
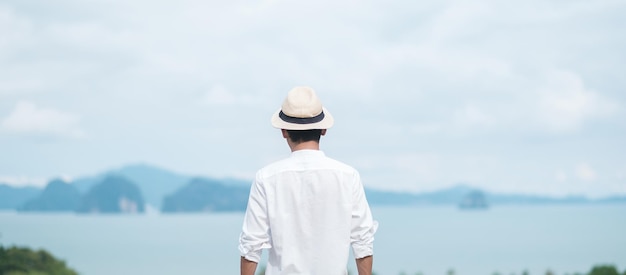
(24, 261)
(604, 270)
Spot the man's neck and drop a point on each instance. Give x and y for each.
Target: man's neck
(307, 145)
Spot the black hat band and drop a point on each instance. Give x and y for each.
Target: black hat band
(300, 120)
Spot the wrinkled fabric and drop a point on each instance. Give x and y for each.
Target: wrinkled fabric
(307, 210)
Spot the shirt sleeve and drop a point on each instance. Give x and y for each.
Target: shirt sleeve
(255, 232)
(363, 225)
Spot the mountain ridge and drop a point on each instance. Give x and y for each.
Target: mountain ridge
(156, 185)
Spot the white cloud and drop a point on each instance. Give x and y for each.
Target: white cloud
(14, 29)
(585, 172)
(565, 103)
(15, 35)
(560, 176)
(219, 95)
(421, 171)
(459, 19)
(473, 116)
(422, 167)
(23, 181)
(429, 128)
(431, 69)
(30, 119)
(621, 173)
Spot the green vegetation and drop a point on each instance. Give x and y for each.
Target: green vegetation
(605, 270)
(596, 270)
(24, 261)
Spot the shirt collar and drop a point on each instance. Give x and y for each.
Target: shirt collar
(307, 152)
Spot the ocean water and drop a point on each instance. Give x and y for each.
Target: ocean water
(430, 240)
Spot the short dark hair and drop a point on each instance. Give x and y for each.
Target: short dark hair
(298, 136)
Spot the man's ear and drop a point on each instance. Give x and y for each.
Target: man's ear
(285, 134)
(323, 132)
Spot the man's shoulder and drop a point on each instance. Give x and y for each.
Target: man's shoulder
(290, 163)
(274, 166)
(341, 165)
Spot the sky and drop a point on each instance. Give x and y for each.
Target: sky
(510, 96)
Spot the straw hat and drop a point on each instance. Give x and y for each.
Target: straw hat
(302, 110)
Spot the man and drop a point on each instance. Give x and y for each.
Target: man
(307, 209)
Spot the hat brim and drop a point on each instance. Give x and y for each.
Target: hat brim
(325, 123)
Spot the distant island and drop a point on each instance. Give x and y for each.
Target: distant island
(207, 195)
(474, 200)
(144, 188)
(14, 197)
(57, 196)
(115, 194)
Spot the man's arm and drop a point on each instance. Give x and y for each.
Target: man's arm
(249, 267)
(364, 265)
(255, 231)
(363, 229)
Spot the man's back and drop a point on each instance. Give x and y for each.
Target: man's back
(316, 208)
(307, 209)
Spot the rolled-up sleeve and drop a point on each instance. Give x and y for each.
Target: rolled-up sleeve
(363, 225)
(255, 232)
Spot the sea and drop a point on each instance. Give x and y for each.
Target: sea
(426, 240)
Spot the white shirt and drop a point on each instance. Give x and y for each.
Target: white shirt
(307, 210)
